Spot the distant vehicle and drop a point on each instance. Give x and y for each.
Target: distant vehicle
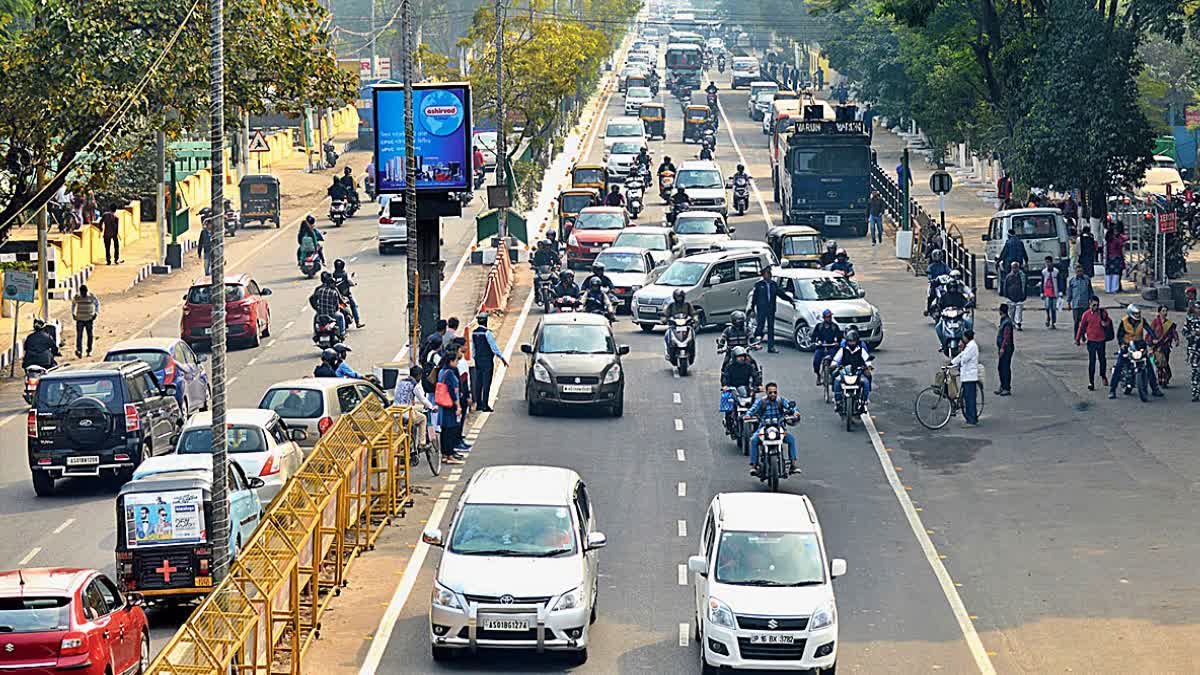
(173, 362)
(705, 186)
(621, 157)
(635, 97)
(624, 129)
(758, 105)
(685, 63)
(716, 284)
(574, 361)
(486, 142)
(247, 312)
(662, 242)
(315, 403)
(258, 441)
(393, 225)
(824, 180)
(744, 70)
(1043, 231)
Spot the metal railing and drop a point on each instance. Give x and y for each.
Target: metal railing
(264, 615)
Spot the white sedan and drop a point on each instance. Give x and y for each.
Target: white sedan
(258, 441)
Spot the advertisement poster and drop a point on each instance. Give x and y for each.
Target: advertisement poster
(441, 136)
(155, 519)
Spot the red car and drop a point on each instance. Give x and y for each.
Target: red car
(247, 313)
(596, 227)
(68, 620)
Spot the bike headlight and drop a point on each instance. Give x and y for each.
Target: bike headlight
(541, 373)
(824, 617)
(719, 614)
(772, 434)
(569, 600)
(613, 374)
(444, 597)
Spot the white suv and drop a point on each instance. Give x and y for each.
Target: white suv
(519, 567)
(764, 585)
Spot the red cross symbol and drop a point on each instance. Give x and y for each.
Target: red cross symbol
(166, 571)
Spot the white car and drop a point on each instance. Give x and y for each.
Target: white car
(705, 187)
(744, 70)
(635, 97)
(700, 231)
(486, 142)
(519, 564)
(620, 158)
(764, 585)
(393, 226)
(315, 403)
(638, 58)
(627, 129)
(258, 442)
(758, 105)
(817, 290)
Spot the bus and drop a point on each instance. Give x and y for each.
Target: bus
(683, 21)
(684, 63)
(824, 178)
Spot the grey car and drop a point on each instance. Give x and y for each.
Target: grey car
(715, 283)
(700, 231)
(574, 361)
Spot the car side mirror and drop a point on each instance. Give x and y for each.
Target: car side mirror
(134, 599)
(698, 564)
(265, 291)
(527, 348)
(837, 568)
(596, 540)
(728, 183)
(169, 389)
(433, 537)
(986, 237)
(622, 349)
(254, 482)
(713, 280)
(298, 435)
(862, 293)
(784, 264)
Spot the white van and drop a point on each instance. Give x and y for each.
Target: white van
(1042, 230)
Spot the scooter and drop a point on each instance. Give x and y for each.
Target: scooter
(666, 186)
(544, 287)
(721, 64)
(325, 332)
(634, 189)
(311, 264)
(369, 186)
(337, 212)
(851, 401)
(331, 155)
(681, 343)
(567, 304)
(480, 176)
(233, 220)
(952, 323)
(741, 195)
(772, 463)
(33, 373)
(708, 140)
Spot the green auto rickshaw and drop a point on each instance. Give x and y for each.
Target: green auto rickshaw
(260, 199)
(654, 118)
(696, 118)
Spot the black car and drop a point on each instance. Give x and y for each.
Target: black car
(575, 361)
(102, 417)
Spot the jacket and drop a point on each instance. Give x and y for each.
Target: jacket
(826, 333)
(763, 294)
(326, 300)
(39, 349)
(1087, 252)
(1004, 335)
(1014, 287)
(741, 375)
(1050, 276)
(968, 362)
(1079, 292)
(1129, 331)
(1014, 251)
(85, 308)
(1091, 326)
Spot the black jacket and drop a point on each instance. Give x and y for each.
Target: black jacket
(39, 350)
(324, 370)
(736, 374)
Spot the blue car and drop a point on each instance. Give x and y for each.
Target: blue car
(173, 362)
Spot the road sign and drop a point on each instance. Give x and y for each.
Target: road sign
(258, 142)
(940, 182)
(1166, 225)
(19, 286)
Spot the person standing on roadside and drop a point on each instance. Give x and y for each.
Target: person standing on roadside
(1013, 252)
(1094, 328)
(1006, 346)
(967, 361)
(451, 330)
(85, 307)
(1191, 332)
(1079, 294)
(485, 350)
(447, 398)
(1114, 258)
(1087, 251)
(1166, 336)
(109, 224)
(875, 217)
(204, 246)
(1014, 290)
(1050, 293)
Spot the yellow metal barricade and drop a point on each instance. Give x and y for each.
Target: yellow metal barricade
(262, 617)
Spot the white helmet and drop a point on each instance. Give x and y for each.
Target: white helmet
(1133, 311)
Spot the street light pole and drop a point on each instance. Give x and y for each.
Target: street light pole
(501, 140)
(413, 263)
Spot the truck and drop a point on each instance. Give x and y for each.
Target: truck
(684, 63)
(824, 177)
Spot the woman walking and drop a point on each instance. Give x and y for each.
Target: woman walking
(1191, 332)
(447, 397)
(1095, 328)
(1166, 336)
(1114, 258)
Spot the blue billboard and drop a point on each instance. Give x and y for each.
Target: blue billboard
(441, 137)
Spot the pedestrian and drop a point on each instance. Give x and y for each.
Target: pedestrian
(1005, 345)
(766, 291)
(1013, 288)
(820, 78)
(109, 224)
(967, 361)
(459, 344)
(1004, 190)
(90, 208)
(447, 398)
(875, 217)
(1013, 251)
(1087, 251)
(903, 176)
(1079, 294)
(1114, 258)
(85, 307)
(1166, 337)
(452, 325)
(1096, 329)
(1191, 332)
(485, 351)
(204, 246)
(1050, 292)
(433, 341)
(1133, 332)
(432, 363)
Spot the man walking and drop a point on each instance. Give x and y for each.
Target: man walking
(766, 290)
(112, 246)
(1050, 293)
(1014, 290)
(1005, 345)
(85, 307)
(1093, 327)
(1079, 294)
(875, 217)
(967, 361)
(485, 351)
(204, 246)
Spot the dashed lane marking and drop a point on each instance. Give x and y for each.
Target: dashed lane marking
(29, 556)
(289, 325)
(681, 527)
(676, 398)
(678, 424)
(272, 342)
(252, 361)
(685, 630)
(683, 574)
(682, 489)
(65, 525)
(679, 455)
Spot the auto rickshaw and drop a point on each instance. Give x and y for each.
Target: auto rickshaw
(260, 199)
(636, 81)
(799, 245)
(570, 203)
(695, 119)
(588, 176)
(654, 118)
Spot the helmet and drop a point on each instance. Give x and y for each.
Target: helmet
(543, 243)
(831, 245)
(551, 236)
(595, 283)
(852, 335)
(956, 274)
(566, 277)
(740, 351)
(342, 349)
(310, 220)
(38, 324)
(481, 318)
(597, 268)
(326, 278)
(1133, 311)
(666, 159)
(841, 253)
(678, 295)
(938, 255)
(329, 356)
(738, 318)
(741, 168)
(827, 314)
(339, 264)
(348, 171)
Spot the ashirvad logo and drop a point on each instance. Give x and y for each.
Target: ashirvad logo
(442, 112)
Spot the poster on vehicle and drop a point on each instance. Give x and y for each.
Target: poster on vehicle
(160, 518)
(441, 137)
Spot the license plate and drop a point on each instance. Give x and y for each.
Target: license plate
(82, 461)
(506, 624)
(833, 220)
(203, 582)
(577, 388)
(771, 639)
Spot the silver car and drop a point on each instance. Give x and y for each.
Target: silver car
(519, 564)
(816, 291)
(716, 284)
(700, 231)
(315, 403)
(630, 269)
(258, 442)
(662, 242)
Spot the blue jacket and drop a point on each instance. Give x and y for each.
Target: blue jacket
(764, 295)
(1014, 251)
(936, 270)
(764, 408)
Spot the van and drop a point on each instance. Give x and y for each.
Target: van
(744, 70)
(1042, 230)
(716, 284)
(762, 85)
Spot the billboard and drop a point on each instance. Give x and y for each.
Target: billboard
(441, 137)
(157, 519)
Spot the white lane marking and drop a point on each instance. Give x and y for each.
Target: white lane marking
(252, 361)
(29, 556)
(289, 325)
(447, 493)
(356, 257)
(10, 418)
(681, 489)
(233, 379)
(683, 575)
(974, 644)
(679, 455)
(685, 631)
(454, 478)
(681, 527)
(457, 472)
(383, 633)
(762, 205)
(65, 525)
(678, 424)
(676, 398)
(272, 343)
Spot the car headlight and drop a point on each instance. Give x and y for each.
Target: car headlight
(635, 288)
(719, 201)
(444, 597)
(540, 373)
(823, 617)
(613, 374)
(719, 614)
(569, 600)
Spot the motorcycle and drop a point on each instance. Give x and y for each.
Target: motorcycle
(325, 332)
(1137, 370)
(772, 464)
(851, 401)
(741, 195)
(735, 422)
(952, 322)
(633, 196)
(712, 100)
(567, 304)
(675, 209)
(233, 220)
(33, 374)
(721, 64)
(681, 343)
(666, 185)
(708, 140)
(337, 212)
(544, 286)
(480, 176)
(311, 264)
(369, 186)
(643, 174)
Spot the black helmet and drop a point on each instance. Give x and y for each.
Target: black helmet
(666, 159)
(342, 349)
(326, 278)
(738, 318)
(852, 335)
(310, 220)
(551, 236)
(329, 356)
(679, 295)
(842, 254)
(595, 283)
(339, 264)
(348, 171)
(566, 277)
(741, 168)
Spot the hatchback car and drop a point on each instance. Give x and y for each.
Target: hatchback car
(621, 157)
(315, 403)
(629, 129)
(699, 231)
(70, 620)
(393, 226)
(635, 97)
(816, 291)
(247, 312)
(745, 71)
(764, 585)
(758, 105)
(519, 567)
(486, 142)
(701, 179)
(173, 362)
(629, 269)
(258, 441)
(662, 242)
(716, 284)
(596, 228)
(574, 360)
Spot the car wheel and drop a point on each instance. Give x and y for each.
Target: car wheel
(254, 339)
(595, 601)
(267, 329)
(705, 667)
(646, 327)
(619, 408)
(442, 654)
(43, 484)
(801, 337)
(143, 664)
(533, 408)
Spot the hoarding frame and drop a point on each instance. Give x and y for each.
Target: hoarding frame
(461, 90)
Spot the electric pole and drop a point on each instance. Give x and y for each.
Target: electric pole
(412, 262)
(501, 131)
(374, 75)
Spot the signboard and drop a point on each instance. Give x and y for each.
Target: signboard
(383, 68)
(441, 135)
(940, 182)
(1166, 222)
(827, 127)
(19, 286)
(161, 518)
(258, 142)
(1191, 116)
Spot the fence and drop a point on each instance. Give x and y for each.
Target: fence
(263, 616)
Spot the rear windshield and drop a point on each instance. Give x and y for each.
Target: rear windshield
(576, 203)
(34, 614)
(199, 295)
(1035, 226)
(806, 245)
(638, 92)
(241, 439)
(654, 242)
(600, 220)
(618, 129)
(294, 403)
(622, 262)
(155, 359)
(54, 394)
(698, 225)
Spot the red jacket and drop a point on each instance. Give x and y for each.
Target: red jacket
(1091, 326)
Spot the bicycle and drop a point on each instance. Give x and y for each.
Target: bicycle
(825, 372)
(934, 405)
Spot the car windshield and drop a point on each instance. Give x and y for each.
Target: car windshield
(638, 92)
(826, 288)
(654, 242)
(576, 203)
(769, 559)
(765, 98)
(600, 220)
(682, 273)
(199, 295)
(805, 245)
(697, 225)
(619, 129)
(705, 179)
(745, 63)
(32, 614)
(1035, 226)
(294, 403)
(513, 531)
(575, 339)
(589, 175)
(53, 394)
(241, 439)
(626, 148)
(621, 262)
(155, 359)
(831, 160)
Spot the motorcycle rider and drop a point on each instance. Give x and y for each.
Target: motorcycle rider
(598, 273)
(308, 240)
(953, 293)
(740, 370)
(720, 63)
(343, 369)
(546, 255)
(337, 190)
(705, 153)
(679, 203)
(328, 365)
(40, 347)
(326, 300)
(643, 158)
(345, 283)
(772, 406)
(349, 187)
(614, 197)
(678, 305)
(937, 268)
(841, 263)
(826, 332)
(735, 335)
(1133, 330)
(666, 165)
(595, 299)
(830, 255)
(566, 288)
(852, 353)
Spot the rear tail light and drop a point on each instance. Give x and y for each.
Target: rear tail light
(323, 424)
(204, 565)
(270, 467)
(31, 425)
(73, 644)
(384, 220)
(133, 421)
(169, 372)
